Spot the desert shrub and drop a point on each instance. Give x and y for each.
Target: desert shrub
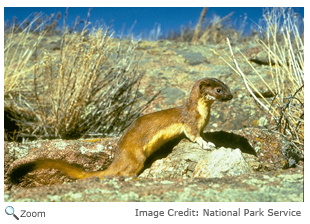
(283, 44)
(88, 87)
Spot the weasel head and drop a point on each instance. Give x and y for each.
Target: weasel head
(212, 89)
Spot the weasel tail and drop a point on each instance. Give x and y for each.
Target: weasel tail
(148, 133)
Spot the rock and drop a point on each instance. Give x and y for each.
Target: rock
(180, 163)
(190, 160)
(222, 162)
(90, 154)
(172, 95)
(188, 173)
(275, 186)
(192, 58)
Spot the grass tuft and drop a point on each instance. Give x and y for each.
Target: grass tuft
(283, 43)
(86, 86)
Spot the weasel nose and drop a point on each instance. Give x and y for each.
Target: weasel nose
(227, 97)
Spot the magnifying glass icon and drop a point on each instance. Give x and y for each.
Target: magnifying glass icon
(10, 211)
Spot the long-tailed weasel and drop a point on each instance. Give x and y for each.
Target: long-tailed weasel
(148, 133)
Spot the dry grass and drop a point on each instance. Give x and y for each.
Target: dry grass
(198, 27)
(19, 48)
(211, 31)
(88, 88)
(284, 47)
(215, 32)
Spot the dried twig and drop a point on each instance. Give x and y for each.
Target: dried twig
(244, 79)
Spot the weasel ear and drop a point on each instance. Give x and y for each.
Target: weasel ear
(203, 85)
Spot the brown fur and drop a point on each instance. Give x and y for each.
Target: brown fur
(148, 133)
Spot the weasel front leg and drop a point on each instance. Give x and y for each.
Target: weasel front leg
(194, 136)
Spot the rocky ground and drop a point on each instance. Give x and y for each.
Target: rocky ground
(245, 165)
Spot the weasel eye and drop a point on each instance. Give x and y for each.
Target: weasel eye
(218, 90)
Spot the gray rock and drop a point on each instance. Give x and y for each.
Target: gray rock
(172, 95)
(190, 160)
(259, 187)
(192, 58)
(222, 162)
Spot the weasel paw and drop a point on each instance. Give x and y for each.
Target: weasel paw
(203, 144)
(211, 144)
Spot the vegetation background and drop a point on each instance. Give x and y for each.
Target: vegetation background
(86, 82)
